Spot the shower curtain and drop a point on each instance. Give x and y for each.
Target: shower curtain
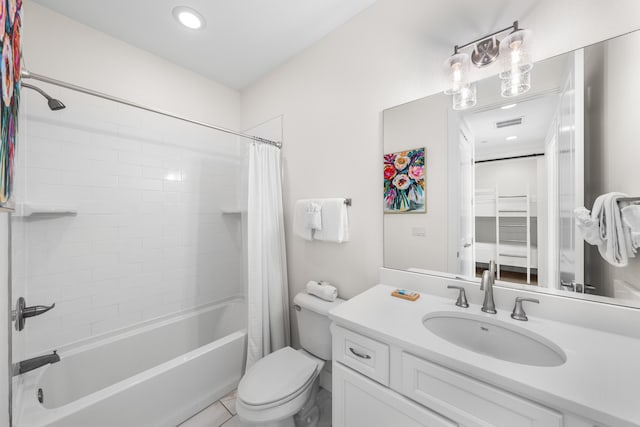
(267, 295)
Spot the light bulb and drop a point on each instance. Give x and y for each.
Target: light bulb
(188, 17)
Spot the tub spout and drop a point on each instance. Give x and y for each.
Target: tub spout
(35, 363)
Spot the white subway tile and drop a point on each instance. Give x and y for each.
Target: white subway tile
(137, 183)
(148, 239)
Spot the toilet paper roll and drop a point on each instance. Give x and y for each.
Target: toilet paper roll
(323, 290)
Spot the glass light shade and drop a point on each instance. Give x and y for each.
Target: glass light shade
(456, 68)
(516, 63)
(515, 53)
(465, 97)
(514, 84)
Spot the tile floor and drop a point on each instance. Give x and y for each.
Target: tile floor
(223, 413)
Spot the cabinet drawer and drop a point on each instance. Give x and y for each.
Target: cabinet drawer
(469, 402)
(362, 354)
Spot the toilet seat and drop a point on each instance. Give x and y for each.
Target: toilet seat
(277, 378)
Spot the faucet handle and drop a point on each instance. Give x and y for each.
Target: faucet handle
(518, 311)
(462, 296)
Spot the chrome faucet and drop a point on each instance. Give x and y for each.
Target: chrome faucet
(486, 284)
(518, 311)
(35, 363)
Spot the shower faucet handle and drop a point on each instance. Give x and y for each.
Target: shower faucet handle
(462, 296)
(22, 312)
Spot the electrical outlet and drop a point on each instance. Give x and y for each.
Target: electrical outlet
(418, 231)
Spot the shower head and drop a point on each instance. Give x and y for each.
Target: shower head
(54, 104)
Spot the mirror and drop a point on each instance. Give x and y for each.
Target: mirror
(502, 180)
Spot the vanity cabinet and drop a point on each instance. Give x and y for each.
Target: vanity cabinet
(366, 393)
(470, 402)
(359, 402)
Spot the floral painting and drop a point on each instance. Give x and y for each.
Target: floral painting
(10, 26)
(404, 181)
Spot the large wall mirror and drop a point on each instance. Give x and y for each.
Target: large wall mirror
(505, 177)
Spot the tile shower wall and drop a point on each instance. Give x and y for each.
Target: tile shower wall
(158, 227)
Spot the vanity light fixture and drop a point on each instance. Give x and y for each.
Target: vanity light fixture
(515, 75)
(188, 17)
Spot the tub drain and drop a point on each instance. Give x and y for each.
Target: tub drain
(40, 396)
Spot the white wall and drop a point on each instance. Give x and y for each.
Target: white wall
(332, 96)
(422, 123)
(512, 176)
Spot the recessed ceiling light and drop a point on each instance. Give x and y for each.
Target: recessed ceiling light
(188, 17)
(506, 107)
(511, 138)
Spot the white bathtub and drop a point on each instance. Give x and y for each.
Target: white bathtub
(155, 375)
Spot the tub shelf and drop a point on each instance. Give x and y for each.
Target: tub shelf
(36, 209)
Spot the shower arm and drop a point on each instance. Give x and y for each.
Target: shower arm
(37, 89)
(26, 74)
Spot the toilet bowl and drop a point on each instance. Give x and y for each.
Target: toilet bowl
(277, 387)
(280, 389)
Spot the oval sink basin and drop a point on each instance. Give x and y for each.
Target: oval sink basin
(495, 338)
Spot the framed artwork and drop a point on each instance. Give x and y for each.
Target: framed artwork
(10, 67)
(404, 181)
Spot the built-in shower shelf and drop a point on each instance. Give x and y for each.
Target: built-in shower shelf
(34, 209)
(232, 211)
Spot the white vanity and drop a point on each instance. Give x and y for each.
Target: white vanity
(395, 362)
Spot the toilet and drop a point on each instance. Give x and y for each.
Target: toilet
(280, 389)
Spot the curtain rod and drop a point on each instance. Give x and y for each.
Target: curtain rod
(25, 74)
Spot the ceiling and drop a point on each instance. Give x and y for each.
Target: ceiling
(536, 108)
(536, 114)
(242, 41)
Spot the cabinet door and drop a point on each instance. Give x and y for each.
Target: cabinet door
(469, 402)
(359, 402)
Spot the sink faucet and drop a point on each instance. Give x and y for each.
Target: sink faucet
(486, 284)
(35, 363)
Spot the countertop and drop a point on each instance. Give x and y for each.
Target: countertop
(600, 380)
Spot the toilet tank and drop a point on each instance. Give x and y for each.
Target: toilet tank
(312, 314)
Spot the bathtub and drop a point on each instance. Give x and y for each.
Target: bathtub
(155, 375)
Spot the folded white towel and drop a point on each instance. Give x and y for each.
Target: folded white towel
(631, 218)
(323, 290)
(607, 230)
(303, 217)
(313, 216)
(335, 221)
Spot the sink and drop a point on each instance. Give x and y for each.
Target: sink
(495, 338)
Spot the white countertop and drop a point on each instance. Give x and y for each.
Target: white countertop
(600, 380)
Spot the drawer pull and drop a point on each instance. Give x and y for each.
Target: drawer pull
(360, 355)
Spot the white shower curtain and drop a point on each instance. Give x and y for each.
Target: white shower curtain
(267, 295)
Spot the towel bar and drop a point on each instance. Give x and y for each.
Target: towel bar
(629, 199)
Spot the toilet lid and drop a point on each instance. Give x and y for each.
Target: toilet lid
(276, 377)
